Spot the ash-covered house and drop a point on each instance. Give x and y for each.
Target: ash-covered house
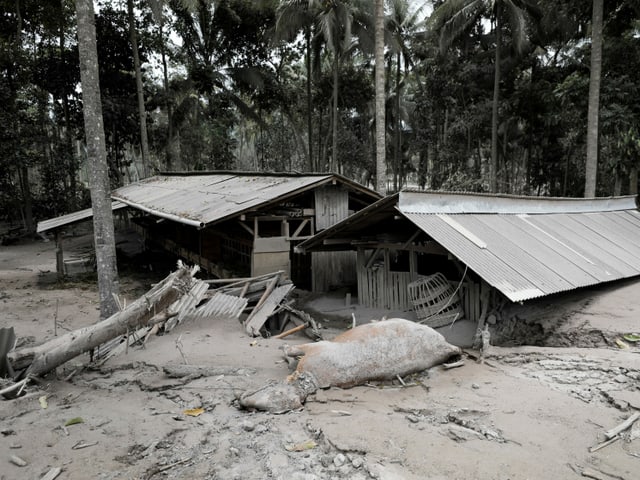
(237, 224)
(489, 249)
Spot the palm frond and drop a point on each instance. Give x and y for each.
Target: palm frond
(447, 11)
(250, 76)
(458, 21)
(244, 108)
(291, 17)
(518, 24)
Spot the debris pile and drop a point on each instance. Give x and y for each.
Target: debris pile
(264, 300)
(180, 295)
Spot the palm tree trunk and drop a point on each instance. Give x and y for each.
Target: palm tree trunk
(493, 168)
(144, 141)
(170, 150)
(381, 164)
(309, 100)
(68, 152)
(591, 167)
(334, 126)
(103, 230)
(396, 139)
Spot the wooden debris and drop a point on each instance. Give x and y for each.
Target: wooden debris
(14, 390)
(300, 317)
(448, 366)
(598, 475)
(606, 443)
(17, 461)
(344, 413)
(81, 444)
(623, 426)
(47, 356)
(266, 308)
(179, 347)
(52, 474)
(267, 292)
(152, 472)
(251, 288)
(292, 331)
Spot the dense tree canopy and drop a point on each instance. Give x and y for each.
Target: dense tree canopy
(479, 95)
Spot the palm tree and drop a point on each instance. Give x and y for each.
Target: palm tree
(340, 23)
(380, 98)
(293, 15)
(144, 141)
(403, 25)
(591, 167)
(455, 17)
(104, 237)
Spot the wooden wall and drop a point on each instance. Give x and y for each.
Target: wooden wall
(270, 254)
(332, 269)
(379, 287)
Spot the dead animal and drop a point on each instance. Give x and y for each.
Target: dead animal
(374, 351)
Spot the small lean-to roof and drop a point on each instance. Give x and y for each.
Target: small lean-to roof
(201, 199)
(526, 247)
(69, 218)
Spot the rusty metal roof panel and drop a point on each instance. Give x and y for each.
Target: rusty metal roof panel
(74, 217)
(202, 199)
(562, 246)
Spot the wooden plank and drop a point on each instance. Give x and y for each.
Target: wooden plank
(262, 312)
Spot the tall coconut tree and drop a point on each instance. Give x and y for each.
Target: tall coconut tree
(142, 112)
(343, 26)
(293, 16)
(454, 18)
(404, 23)
(103, 230)
(591, 167)
(381, 163)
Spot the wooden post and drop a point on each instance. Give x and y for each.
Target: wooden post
(59, 255)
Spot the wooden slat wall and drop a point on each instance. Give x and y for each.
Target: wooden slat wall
(397, 291)
(331, 269)
(332, 205)
(379, 288)
(470, 297)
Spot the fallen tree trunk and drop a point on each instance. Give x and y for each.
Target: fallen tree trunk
(47, 356)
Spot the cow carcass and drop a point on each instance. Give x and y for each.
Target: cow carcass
(375, 351)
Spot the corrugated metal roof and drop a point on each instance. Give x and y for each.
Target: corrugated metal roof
(565, 244)
(222, 306)
(70, 218)
(199, 200)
